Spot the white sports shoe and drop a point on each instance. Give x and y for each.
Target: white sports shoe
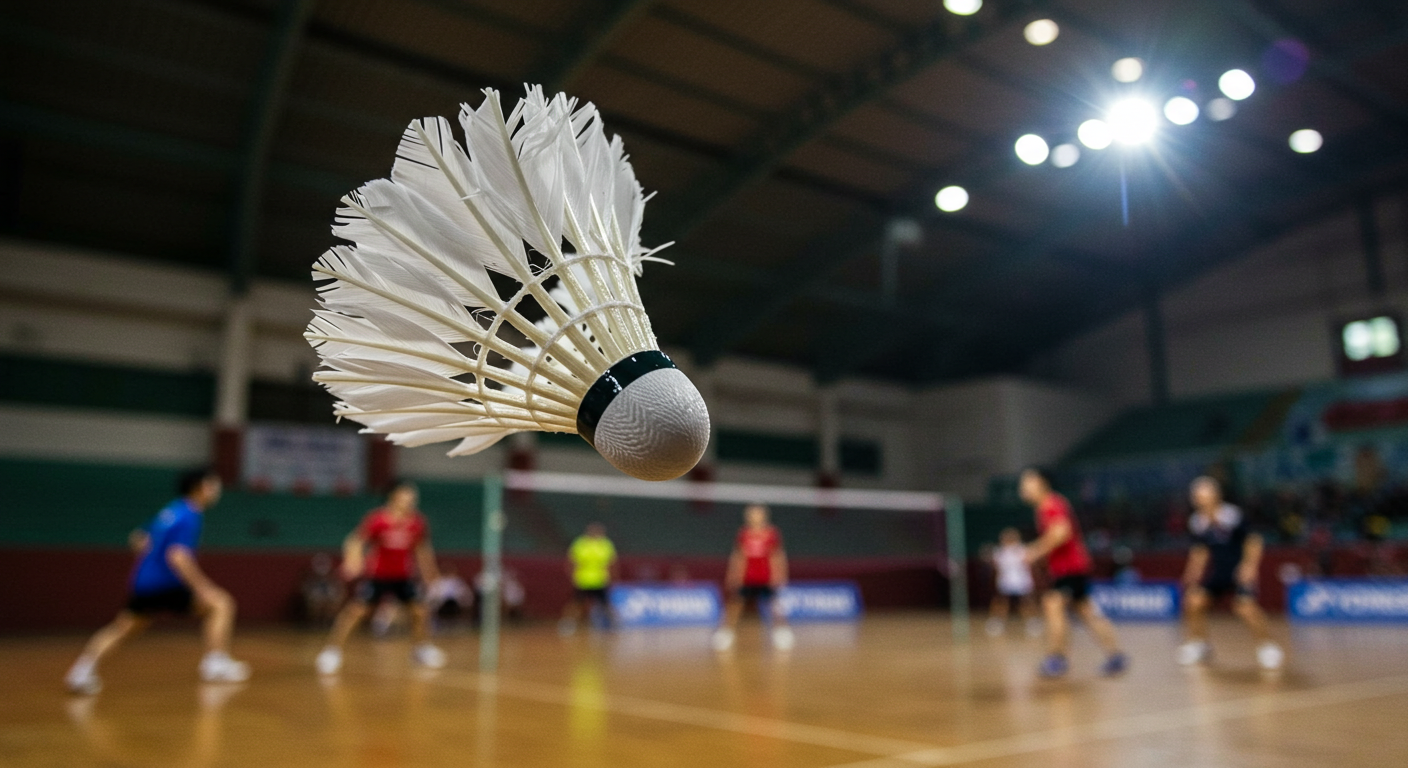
(723, 639)
(82, 678)
(784, 639)
(218, 667)
(428, 656)
(994, 627)
(329, 661)
(1270, 656)
(1194, 652)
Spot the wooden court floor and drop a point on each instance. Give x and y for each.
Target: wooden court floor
(893, 692)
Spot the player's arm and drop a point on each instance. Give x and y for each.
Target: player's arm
(1197, 564)
(183, 561)
(138, 540)
(778, 566)
(1250, 567)
(1056, 534)
(354, 554)
(425, 561)
(733, 577)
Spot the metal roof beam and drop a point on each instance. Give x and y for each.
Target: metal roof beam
(573, 56)
(41, 123)
(262, 119)
(1273, 25)
(822, 108)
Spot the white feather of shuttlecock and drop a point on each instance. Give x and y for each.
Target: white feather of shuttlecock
(409, 331)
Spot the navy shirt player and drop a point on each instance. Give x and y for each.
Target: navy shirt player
(1223, 562)
(168, 580)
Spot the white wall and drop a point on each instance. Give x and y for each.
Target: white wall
(70, 304)
(966, 433)
(1265, 320)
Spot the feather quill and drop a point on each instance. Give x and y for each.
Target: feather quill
(412, 328)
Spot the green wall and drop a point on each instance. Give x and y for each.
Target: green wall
(59, 504)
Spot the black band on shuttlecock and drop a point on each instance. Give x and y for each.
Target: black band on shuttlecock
(610, 384)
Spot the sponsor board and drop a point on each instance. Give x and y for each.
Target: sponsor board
(1348, 600)
(1137, 601)
(820, 601)
(674, 605)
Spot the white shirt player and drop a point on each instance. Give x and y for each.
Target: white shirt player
(1014, 576)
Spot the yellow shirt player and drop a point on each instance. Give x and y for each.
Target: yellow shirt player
(591, 561)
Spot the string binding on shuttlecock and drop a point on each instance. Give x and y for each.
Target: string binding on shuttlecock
(416, 338)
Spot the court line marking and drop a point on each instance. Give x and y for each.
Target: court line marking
(685, 714)
(1140, 725)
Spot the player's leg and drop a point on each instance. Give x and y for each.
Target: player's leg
(354, 613)
(733, 612)
(1268, 653)
(1195, 648)
(1104, 631)
(82, 677)
(1026, 607)
(424, 653)
(783, 639)
(217, 611)
(572, 614)
(997, 614)
(1053, 607)
(602, 598)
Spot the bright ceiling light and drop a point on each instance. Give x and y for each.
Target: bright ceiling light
(1220, 109)
(1180, 110)
(1236, 84)
(963, 7)
(1127, 70)
(1041, 32)
(1094, 134)
(1064, 155)
(1032, 149)
(950, 199)
(1132, 121)
(1306, 140)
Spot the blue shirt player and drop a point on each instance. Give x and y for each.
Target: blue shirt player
(168, 580)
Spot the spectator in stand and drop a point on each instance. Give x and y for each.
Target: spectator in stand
(514, 595)
(448, 596)
(323, 592)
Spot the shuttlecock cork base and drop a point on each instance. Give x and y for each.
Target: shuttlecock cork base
(646, 418)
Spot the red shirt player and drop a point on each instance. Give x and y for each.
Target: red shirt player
(387, 550)
(1069, 565)
(757, 568)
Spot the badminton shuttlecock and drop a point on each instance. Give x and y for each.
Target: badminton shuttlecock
(419, 343)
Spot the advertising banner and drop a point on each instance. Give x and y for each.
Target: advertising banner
(1349, 600)
(304, 459)
(666, 605)
(820, 601)
(1137, 601)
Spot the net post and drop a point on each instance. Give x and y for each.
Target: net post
(957, 567)
(491, 551)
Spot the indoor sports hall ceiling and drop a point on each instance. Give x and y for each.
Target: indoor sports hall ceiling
(784, 139)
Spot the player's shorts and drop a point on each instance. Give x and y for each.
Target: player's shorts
(373, 591)
(177, 600)
(593, 595)
(757, 592)
(1014, 594)
(1075, 587)
(1224, 585)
